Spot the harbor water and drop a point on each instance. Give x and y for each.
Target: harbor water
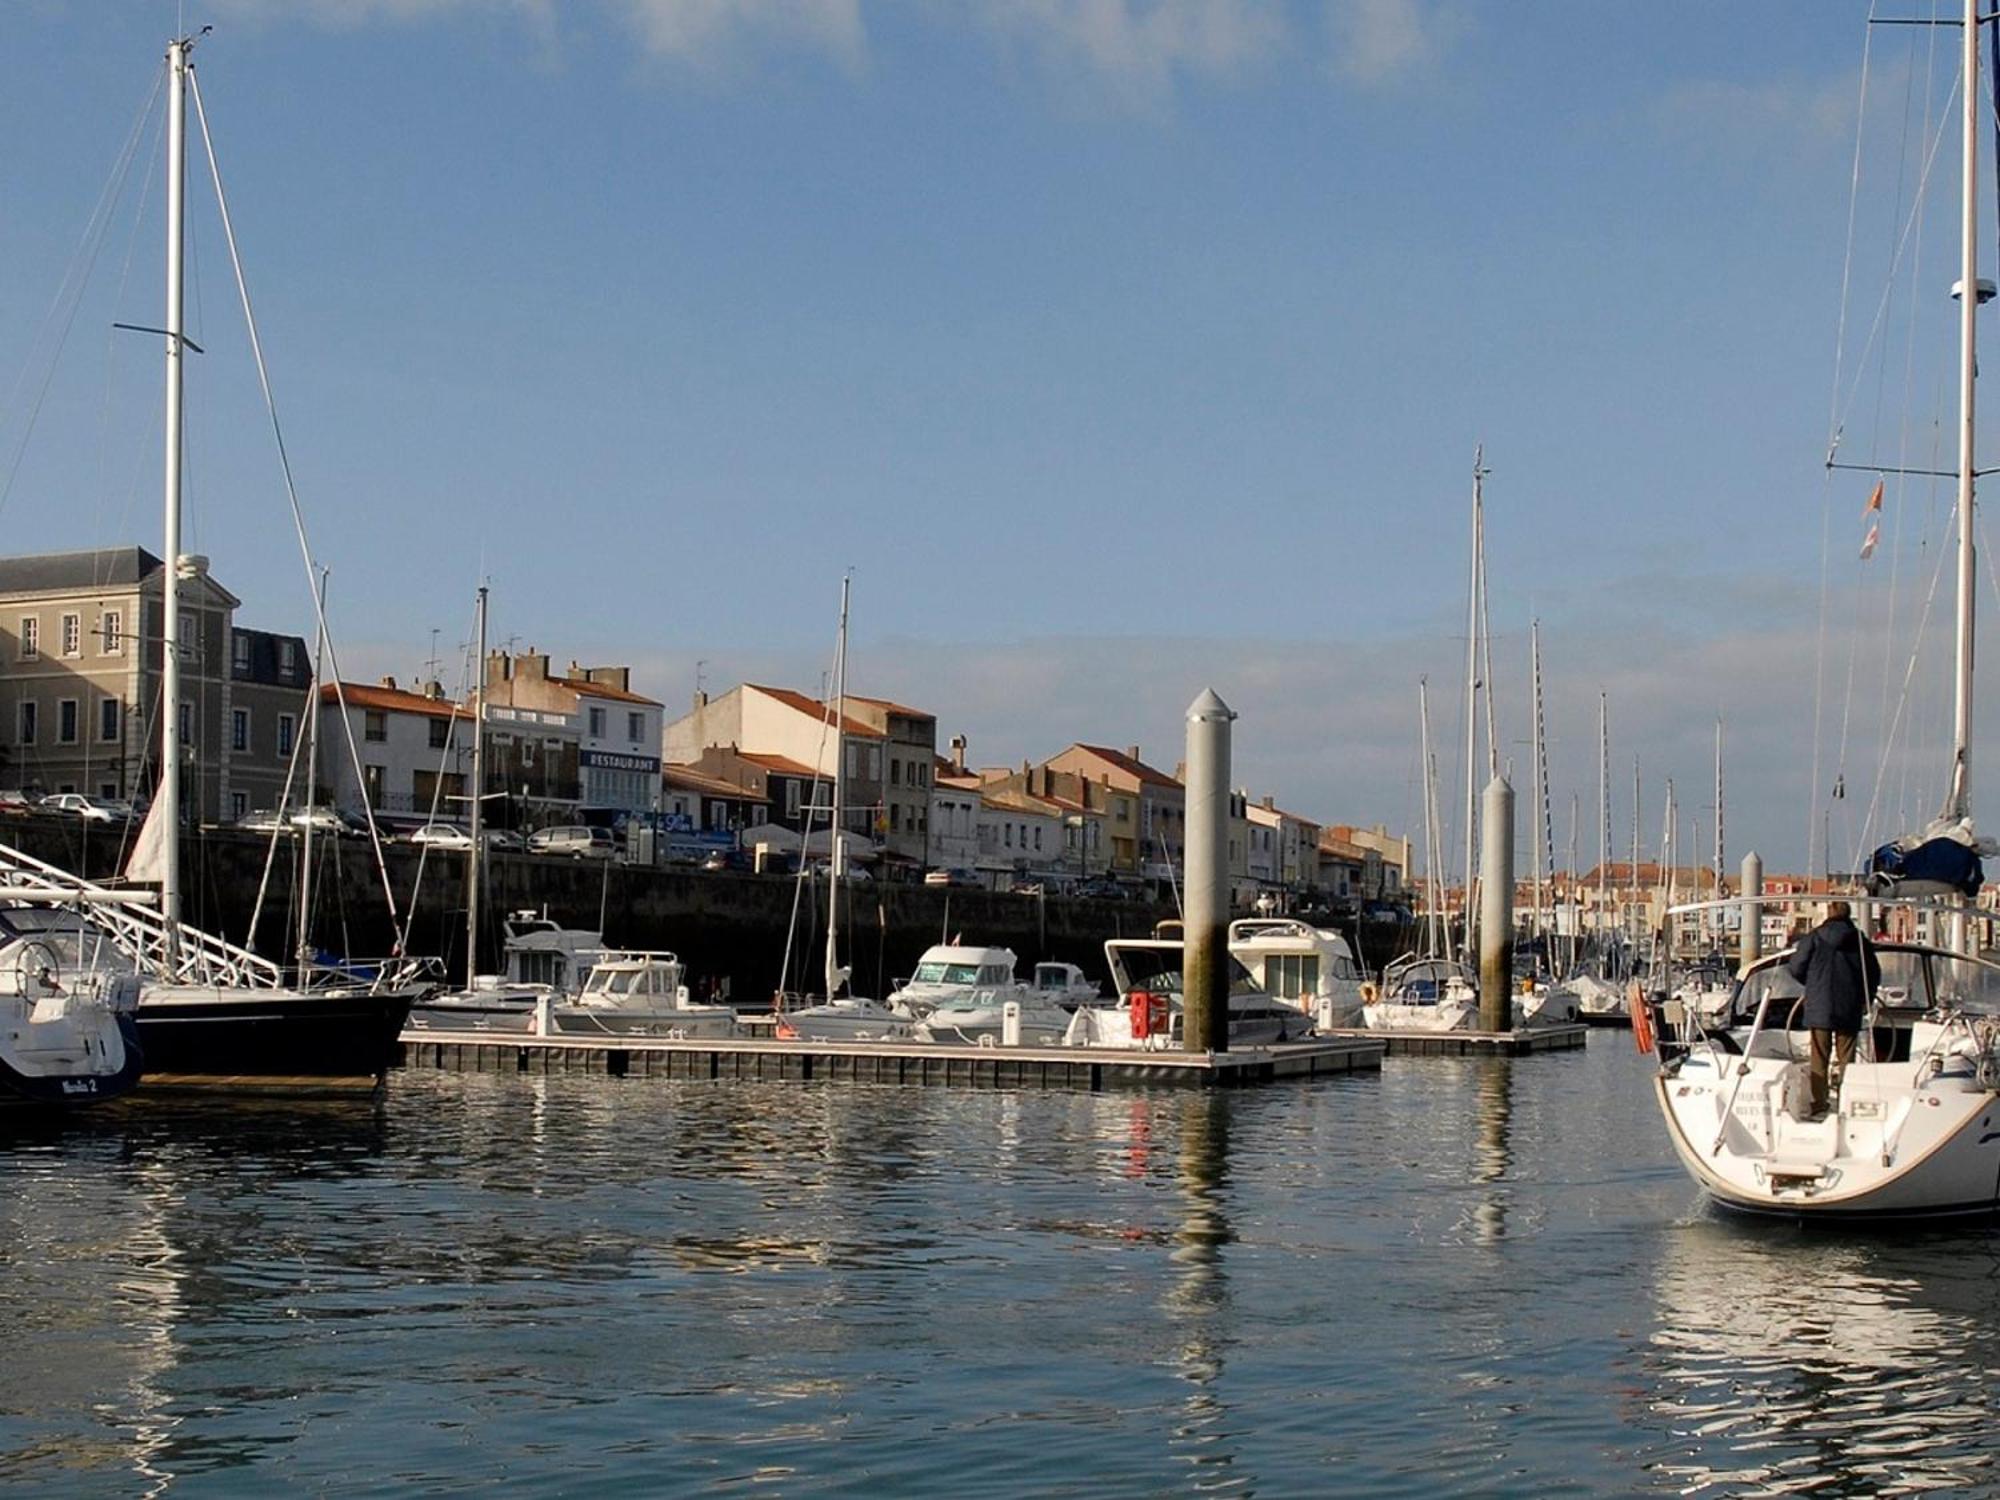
(1459, 1276)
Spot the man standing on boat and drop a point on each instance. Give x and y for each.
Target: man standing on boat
(1840, 973)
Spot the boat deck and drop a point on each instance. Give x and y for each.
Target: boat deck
(1518, 1043)
(1090, 1068)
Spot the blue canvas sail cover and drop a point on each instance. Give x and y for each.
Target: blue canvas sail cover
(1926, 866)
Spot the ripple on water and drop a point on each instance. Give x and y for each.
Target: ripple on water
(1472, 1276)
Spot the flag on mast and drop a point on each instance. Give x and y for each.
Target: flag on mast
(1872, 514)
(1868, 542)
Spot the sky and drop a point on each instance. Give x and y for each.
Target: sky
(1120, 348)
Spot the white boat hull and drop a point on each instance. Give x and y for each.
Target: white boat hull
(845, 1021)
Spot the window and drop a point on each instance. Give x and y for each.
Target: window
(72, 635)
(239, 806)
(374, 726)
(31, 637)
(107, 790)
(66, 721)
(635, 728)
(239, 729)
(187, 721)
(1007, 832)
(111, 632)
(288, 657)
(1038, 840)
(239, 653)
(30, 720)
(895, 817)
(371, 785)
(287, 734)
(597, 723)
(190, 637)
(895, 773)
(440, 733)
(793, 789)
(110, 719)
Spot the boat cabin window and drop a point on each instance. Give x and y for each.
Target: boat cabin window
(1290, 975)
(1960, 984)
(939, 972)
(996, 974)
(533, 967)
(1159, 970)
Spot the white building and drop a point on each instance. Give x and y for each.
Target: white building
(617, 730)
(415, 750)
(954, 818)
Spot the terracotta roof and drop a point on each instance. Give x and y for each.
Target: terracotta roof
(1128, 765)
(1008, 799)
(686, 776)
(892, 706)
(591, 689)
(784, 765)
(392, 700)
(813, 708)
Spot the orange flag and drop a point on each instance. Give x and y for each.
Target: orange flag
(1874, 505)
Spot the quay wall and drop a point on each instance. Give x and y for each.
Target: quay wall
(723, 925)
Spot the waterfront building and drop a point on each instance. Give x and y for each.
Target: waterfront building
(1020, 835)
(696, 802)
(909, 750)
(415, 749)
(80, 636)
(617, 730)
(954, 811)
(782, 785)
(1284, 848)
(777, 721)
(1153, 847)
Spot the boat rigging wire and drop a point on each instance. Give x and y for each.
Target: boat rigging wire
(70, 290)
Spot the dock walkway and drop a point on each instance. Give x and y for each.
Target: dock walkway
(1476, 1043)
(1091, 1068)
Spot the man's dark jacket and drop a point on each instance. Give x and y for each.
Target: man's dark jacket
(1831, 962)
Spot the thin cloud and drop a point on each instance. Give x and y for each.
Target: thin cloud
(711, 33)
(1381, 41)
(1774, 115)
(1141, 50)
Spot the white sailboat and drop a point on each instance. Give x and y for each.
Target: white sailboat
(840, 1016)
(208, 1009)
(1911, 1134)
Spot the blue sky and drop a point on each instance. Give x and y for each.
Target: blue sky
(1119, 348)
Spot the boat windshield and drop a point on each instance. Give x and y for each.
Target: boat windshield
(939, 972)
(1911, 980)
(1159, 970)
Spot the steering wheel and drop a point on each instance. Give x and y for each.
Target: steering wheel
(36, 968)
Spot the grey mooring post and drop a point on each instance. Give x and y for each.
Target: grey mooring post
(1205, 959)
(1496, 907)
(1750, 946)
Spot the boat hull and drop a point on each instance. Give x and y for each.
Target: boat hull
(22, 1090)
(214, 1032)
(703, 1025)
(462, 1013)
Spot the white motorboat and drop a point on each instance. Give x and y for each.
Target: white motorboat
(1424, 994)
(1910, 1132)
(67, 997)
(540, 960)
(1312, 967)
(1599, 1001)
(980, 1017)
(950, 972)
(1066, 984)
(846, 1018)
(1706, 988)
(1146, 973)
(638, 992)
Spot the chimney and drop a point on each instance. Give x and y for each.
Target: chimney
(532, 666)
(434, 690)
(1132, 751)
(958, 754)
(700, 700)
(1270, 803)
(611, 677)
(389, 683)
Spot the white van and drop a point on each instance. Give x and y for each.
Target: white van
(575, 840)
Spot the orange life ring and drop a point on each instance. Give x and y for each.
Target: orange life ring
(1370, 994)
(1642, 1019)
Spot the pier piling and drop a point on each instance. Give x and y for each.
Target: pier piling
(1750, 945)
(1205, 959)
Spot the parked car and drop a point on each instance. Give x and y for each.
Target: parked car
(953, 879)
(263, 821)
(1101, 888)
(736, 861)
(15, 802)
(442, 836)
(505, 840)
(329, 820)
(575, 840)
(90, 809)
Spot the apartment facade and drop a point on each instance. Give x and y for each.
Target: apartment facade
(80, 652)
(617, 731)
(415, 750)
(1155, 847)
(909, 753)
(760, 720)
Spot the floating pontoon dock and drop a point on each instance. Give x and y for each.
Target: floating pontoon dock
(1520, 1043)
(1092, 1068)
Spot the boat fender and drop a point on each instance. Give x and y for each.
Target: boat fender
(1642, 1019)
(1369, 993)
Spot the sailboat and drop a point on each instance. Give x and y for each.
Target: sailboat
(841, 1016)
(208, 1010)
(1910, 1134)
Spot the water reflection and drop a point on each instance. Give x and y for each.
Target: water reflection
(1790, 1363)
(1492, 1154)
(1197, 1296)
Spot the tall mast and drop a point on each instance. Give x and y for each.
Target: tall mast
(836, 840)
(1959, 802)
(1434, 919)
(1632, 871)
(169, 789)
(303, 949)
(473, 866)
(1541, 809)
(1472, 616)
(1603, 804)
(1718, 808)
